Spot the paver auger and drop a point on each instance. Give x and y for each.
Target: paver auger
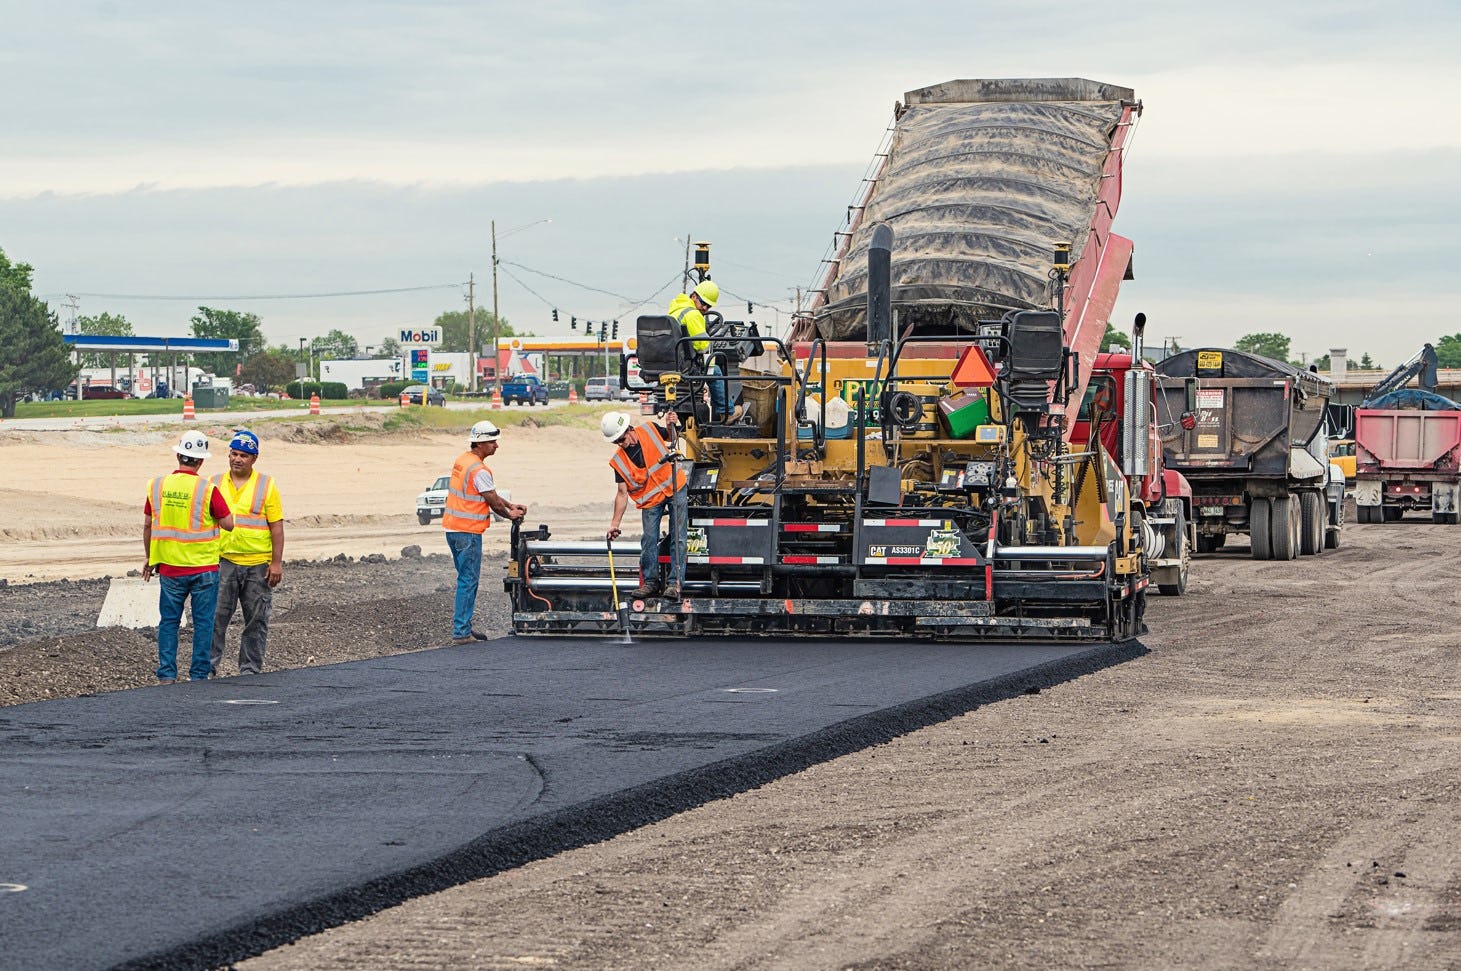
(917, 479)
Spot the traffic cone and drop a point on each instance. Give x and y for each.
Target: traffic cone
(188, 408)
(314, 404)
(645, 408)
(497, 397)
(405, 399)
(572, 394)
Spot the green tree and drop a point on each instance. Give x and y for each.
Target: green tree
(1366, 364)
(269, 370)
(224, 325)
(389, 348)
(33, 356)
(1275, 346)
(1448, 351)
(1323, 363)
(337, 346)
(1114, 339)
(15, 275)
(453, 324)
(103, 325)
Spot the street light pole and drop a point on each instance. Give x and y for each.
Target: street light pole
(472, 328)
(496, 370)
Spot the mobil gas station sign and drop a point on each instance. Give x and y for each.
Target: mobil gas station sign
(420, 335)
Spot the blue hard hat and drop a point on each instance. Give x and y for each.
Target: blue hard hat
(245, 441)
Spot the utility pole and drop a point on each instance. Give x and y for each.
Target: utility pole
(472, 328)
(75, 305)
(496, 371)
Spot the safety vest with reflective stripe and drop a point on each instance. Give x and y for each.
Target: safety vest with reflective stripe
(183, 531)
(466, 511)
(691, 320)
(250, 542)
(652, 484)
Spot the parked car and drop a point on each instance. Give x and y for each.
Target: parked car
(99, 391)
(605, 389)
(413, 394)
(432, 503)
(524, 389)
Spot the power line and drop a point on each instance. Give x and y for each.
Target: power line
(269, 296)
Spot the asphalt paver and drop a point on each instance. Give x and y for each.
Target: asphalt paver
(195, 824)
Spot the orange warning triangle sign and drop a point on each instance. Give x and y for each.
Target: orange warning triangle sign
(973, 369)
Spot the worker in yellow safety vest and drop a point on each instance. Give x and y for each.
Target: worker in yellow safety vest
(182, 518)
(471, 499)
(251, 562)
(689, 310)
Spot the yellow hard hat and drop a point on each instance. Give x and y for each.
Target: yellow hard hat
(707, 290)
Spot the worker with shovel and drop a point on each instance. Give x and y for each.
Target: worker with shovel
(646, 471)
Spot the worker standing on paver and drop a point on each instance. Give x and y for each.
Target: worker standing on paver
(689, 310)
(471, 500)
(183, 515)
(251, 561)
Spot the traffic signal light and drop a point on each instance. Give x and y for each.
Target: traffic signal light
(614, 333)
(555, 315)
(749, 308)
(573, 323)
(603, 330)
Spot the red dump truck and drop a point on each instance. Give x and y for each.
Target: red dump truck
(1408, 459)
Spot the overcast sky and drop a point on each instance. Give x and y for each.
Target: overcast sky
(1295, 168)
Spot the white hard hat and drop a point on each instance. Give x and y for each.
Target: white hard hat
(193, 445)
(614, 425)
(484, 431)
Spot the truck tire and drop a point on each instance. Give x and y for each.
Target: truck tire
(1285, 528)
(1182, 553)
(424, 518)
(1335, 529)
(1260, 511)
(1311, 529)
(1391, 514)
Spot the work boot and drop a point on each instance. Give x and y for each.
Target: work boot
(646, 589)
(463, 640)
(479, 636)
(672, 592)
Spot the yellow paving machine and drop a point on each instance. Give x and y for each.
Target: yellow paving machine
(901, 463)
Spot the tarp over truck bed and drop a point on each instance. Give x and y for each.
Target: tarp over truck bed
(982, 179)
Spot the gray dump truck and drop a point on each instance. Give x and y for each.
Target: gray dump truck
(1249, 434)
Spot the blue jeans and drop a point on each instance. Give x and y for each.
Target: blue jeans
(203, 589)
(677, 507)
(718, 409)
(466, 553)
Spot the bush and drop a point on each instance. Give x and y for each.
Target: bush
(328, 390)
(393, 389)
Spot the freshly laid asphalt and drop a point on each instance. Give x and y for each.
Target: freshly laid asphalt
(196, 824)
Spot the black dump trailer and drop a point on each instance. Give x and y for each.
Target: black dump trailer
(1249, 433)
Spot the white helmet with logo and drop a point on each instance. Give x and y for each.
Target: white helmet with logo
(193, 445)
(614, 425)
(484, 431)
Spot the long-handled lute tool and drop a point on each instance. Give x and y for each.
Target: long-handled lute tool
(621, 608)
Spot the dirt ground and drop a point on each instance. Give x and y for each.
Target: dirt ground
(1276, 784)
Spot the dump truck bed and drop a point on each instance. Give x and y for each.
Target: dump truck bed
(1254, 416)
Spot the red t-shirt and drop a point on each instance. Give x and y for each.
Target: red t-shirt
(217, 508)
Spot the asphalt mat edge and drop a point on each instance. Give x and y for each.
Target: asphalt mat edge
(597, 820)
